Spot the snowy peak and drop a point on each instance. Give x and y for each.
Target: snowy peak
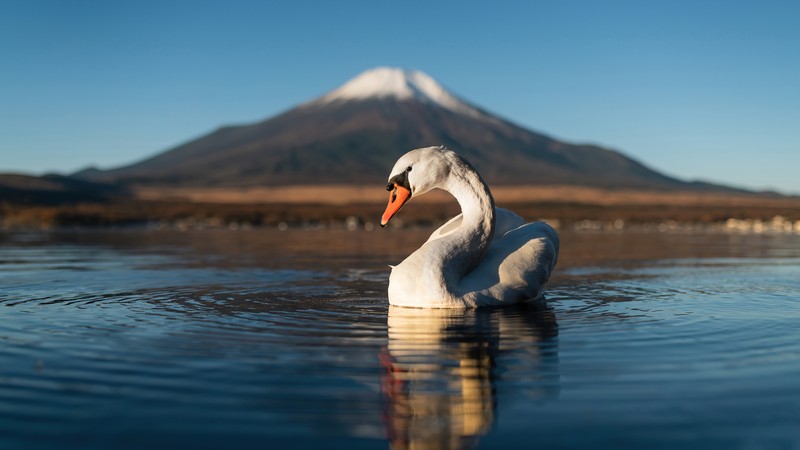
(401, 84)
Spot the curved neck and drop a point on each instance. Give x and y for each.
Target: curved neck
(458, 253)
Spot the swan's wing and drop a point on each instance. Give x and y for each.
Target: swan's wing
(450, 226)
(505, 221)
(534, 260)
(515, 267)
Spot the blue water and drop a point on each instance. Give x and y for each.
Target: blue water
(214, 339)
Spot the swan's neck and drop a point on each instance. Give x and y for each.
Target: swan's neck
(458, 253)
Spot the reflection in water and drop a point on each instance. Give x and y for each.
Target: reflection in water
(216, 339)
(442, 367)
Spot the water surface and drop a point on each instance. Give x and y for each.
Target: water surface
(217, 339)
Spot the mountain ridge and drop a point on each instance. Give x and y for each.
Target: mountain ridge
(354, 133)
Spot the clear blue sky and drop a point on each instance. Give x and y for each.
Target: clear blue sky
(697, 89)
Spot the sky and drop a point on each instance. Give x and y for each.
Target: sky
(700, 90)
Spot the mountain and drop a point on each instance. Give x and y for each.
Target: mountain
(354, 134)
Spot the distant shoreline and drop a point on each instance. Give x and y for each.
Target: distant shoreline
(356, 194)
(361, 206)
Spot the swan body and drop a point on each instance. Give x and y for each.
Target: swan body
(485, 256)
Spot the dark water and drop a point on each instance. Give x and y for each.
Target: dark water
(214, 339)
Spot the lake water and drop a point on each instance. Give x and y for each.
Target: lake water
(269, 339)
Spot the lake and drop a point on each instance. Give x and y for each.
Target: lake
(283, 339)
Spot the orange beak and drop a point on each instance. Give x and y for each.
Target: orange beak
(397, 198)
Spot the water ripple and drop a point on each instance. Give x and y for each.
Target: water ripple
(98, 344)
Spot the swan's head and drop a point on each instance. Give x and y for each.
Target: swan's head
(416, 173)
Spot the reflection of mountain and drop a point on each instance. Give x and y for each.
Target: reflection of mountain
(440, 385)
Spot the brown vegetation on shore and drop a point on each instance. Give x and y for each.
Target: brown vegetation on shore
(335, 205)
(354, 194)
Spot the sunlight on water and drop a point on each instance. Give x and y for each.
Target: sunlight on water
(131, 339)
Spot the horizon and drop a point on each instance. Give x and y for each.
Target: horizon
(697, 92)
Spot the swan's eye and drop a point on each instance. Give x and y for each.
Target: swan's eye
(409, 169)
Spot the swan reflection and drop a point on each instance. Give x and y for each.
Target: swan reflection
(442, 370)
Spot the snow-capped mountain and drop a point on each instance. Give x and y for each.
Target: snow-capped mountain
(400, 84)
(353, 135)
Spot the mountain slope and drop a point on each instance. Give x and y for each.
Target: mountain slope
(354, 134)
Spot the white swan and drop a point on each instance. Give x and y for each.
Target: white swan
(485, 256)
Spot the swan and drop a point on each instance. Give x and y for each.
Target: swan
(485, 256)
